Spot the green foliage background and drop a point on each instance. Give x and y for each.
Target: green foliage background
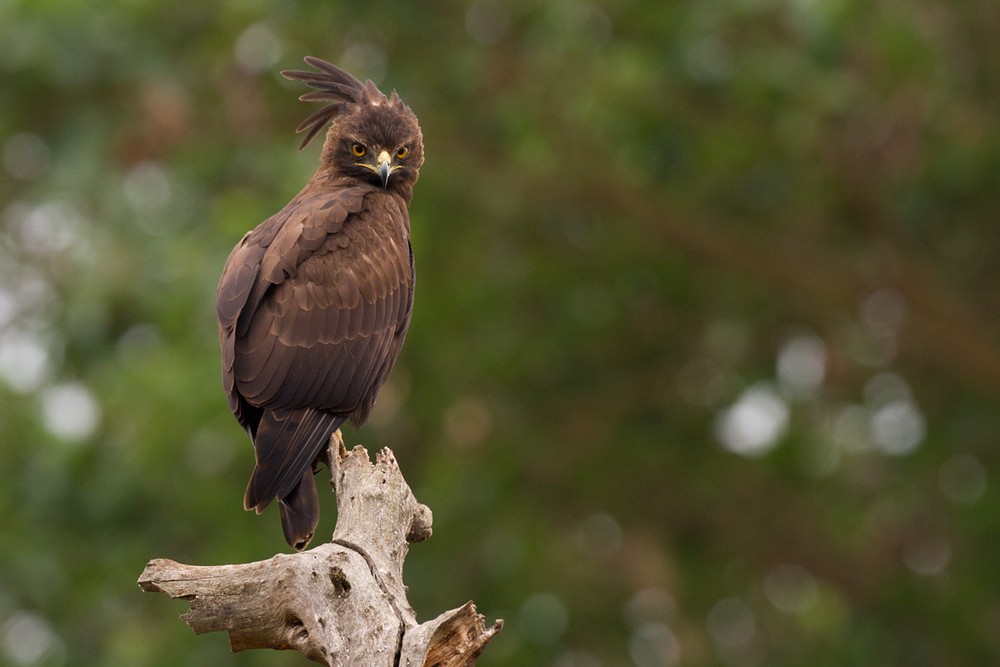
(705, 358)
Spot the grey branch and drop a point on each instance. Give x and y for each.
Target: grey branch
(341, 603)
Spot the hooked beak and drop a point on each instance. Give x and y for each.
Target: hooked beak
(384, 169)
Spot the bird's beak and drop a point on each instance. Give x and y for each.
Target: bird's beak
(384, 169)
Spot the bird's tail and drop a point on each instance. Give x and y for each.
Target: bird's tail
(287, 443)
(300, 512)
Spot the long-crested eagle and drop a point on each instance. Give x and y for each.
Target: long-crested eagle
(314, 303)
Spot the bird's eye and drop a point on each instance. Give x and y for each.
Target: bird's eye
(358, 150)
(402, 152)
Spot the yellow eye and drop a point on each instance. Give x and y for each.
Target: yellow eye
(402, 152)
(358, 150)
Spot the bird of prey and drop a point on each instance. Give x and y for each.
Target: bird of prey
(314, 303)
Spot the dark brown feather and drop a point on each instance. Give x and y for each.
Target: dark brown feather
(299, 511)
(313, 305)
(334, 85)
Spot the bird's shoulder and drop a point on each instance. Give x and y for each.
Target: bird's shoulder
(272, 252)
(304, 226)
(368, 260)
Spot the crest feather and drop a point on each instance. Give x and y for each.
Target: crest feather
(332, 85)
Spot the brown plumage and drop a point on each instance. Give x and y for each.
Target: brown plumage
(314, 303)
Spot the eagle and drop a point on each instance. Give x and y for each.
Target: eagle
(315, 302)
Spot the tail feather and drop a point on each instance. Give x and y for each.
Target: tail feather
(300, 512)
(286, 443)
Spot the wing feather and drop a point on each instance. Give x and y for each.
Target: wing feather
(326, 306)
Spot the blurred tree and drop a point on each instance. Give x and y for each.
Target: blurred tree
(706, 348)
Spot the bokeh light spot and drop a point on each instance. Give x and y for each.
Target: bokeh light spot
(753, 425)
(70, 411)
(28, 639)
(147, 188)
(927, 555)
(962, 479)
(884, 311)
(600, 535)
(653, 644)
(258, 48)
(487, 21)
(24, 361)
(791, 589)
(731, 624)
(650, 604)
(802, 363)
(898, 427)
(26, 157)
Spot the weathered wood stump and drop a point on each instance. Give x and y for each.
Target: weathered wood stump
(341, 603)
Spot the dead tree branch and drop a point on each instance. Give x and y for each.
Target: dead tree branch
(341, 603)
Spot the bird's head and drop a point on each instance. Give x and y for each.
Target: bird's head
(377, 140)
(372, 137)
